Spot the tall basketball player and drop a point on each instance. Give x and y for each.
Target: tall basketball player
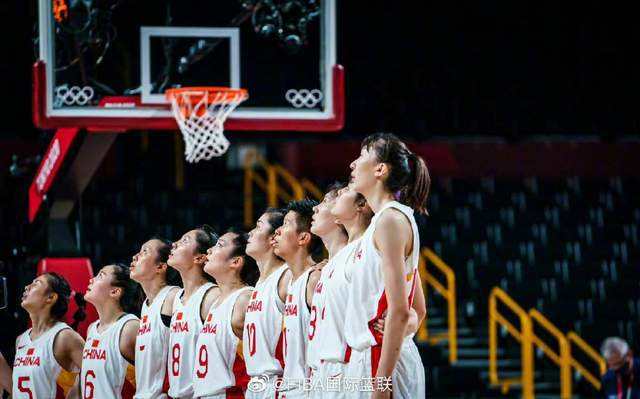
(190, 307)
(109, 352)
(334, 237)
(394, 181)
(351, 211)
(48, 346)
(220, 370)
(300, 248)
(149, 269)
(263, 335)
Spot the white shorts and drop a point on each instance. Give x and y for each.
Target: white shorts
(329, 382)
(408, 378)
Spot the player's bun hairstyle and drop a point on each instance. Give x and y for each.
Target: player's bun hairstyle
(60, 286)
(304, 212)
(131, 299)
(275, 216)
(334, 187)
(249, 273)
(408, 177)
(362, 201)
(81, 313)
(206, 238)
(164, 250)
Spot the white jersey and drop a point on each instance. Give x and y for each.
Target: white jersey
(152, 348)
(262, 337)
(219, 365)
(186, 324)
(331, 345)
(35, 368)
(367, 300)
(105, 372)
(318, 308)
(296, 325)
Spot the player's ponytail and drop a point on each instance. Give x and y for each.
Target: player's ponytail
(408, 177)
(250, 272)
(81, 312)
(59, 286)
(367, 213)
(275, 216)
(206, 237)
(172, 277)
(131, 299)
(416, 191)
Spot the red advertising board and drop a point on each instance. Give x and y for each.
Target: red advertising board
(49, 168)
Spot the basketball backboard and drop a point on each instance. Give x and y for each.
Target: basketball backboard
(106, 64)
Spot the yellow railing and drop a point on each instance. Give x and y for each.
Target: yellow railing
(449, 294)
(271, 183)
(527, 337)
(522, 335)
(573, 338)
(312, 189)
(277, 193)
(561, 358)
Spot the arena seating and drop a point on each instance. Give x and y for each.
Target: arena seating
(565, 250)
(120, 215)
(568, 248)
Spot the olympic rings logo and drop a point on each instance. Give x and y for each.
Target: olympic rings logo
(73, 95)
(304, 97)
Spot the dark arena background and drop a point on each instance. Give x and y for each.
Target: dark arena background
(526, 114)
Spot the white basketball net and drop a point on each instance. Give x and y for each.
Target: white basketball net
(202, 122)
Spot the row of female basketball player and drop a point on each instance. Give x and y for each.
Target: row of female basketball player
(275, 323)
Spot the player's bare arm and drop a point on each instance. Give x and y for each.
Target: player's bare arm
(212, 294)
(392, 237)
(128, 340)
(239, 311)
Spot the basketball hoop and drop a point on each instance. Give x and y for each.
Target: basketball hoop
(201, 113)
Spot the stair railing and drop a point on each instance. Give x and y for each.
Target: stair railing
(279, 185)
(312, 189)
(448, 291)
(562, 358)
(573, 338)
(522, 335)
(527, 337)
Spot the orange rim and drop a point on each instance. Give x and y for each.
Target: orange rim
(197, 92)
